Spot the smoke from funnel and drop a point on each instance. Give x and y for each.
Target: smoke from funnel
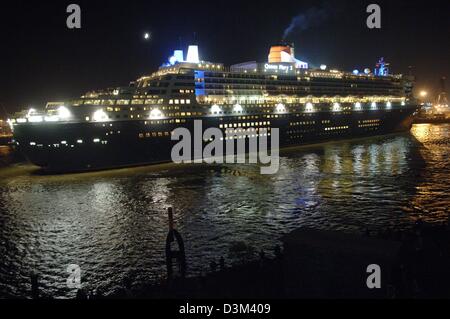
(311, 18)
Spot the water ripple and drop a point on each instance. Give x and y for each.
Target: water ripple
(114, 224)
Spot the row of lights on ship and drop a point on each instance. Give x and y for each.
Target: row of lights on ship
(309, 107)
(34, 117)
(64, 114)
(100, 116)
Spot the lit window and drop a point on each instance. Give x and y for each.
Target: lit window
(64, 113)
(215, 109)
(100, 116)
(309, 107)
(237, 108)
(155, 114)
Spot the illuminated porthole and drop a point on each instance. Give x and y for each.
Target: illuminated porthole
(336, 107)
(215, 109)
(309, 107)
(100, 116)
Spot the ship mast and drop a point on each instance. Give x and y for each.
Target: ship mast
(442, 100)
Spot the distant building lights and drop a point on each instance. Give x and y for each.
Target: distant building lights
(355, 72)
(11, 123)
(323, 67)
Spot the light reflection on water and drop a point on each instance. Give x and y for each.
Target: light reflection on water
(114, 223)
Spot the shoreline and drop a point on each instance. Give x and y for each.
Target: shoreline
(413, 264)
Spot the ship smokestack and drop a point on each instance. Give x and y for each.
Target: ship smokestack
(282, 52)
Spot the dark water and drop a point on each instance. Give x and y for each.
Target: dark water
(114, 223)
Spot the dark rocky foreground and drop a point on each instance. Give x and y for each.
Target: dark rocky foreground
(323, 264)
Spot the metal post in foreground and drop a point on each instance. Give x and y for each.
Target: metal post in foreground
(179, 255)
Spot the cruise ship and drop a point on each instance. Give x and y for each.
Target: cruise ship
(133, 125)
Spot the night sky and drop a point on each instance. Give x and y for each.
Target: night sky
(42, 60)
